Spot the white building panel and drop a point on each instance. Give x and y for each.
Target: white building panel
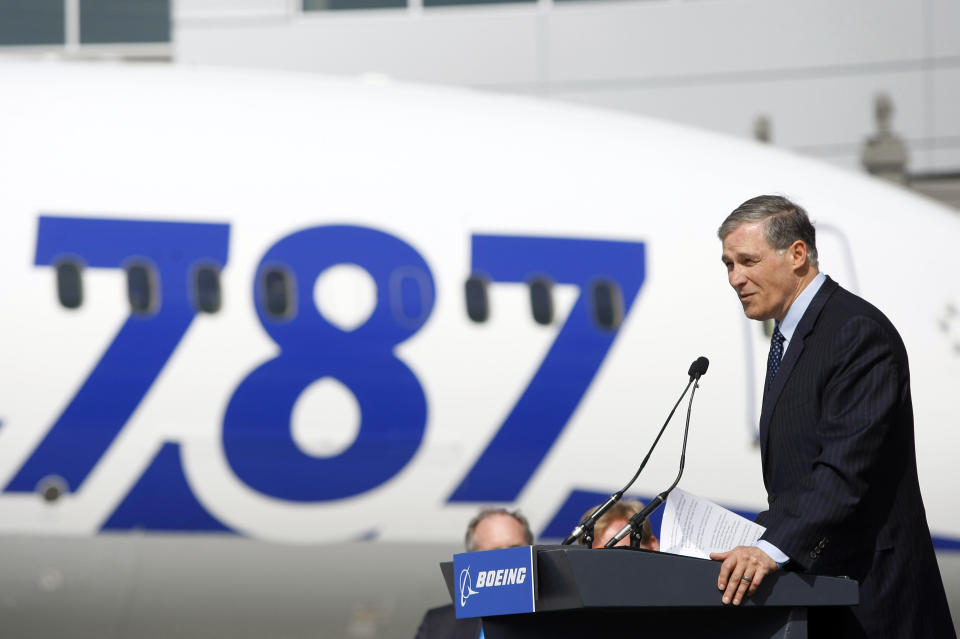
(455, 46)
(945, 23)
(595, 42)
(836, 118)
(946, 104)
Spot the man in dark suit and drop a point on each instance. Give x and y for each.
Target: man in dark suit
(491, 529)
(836, 436)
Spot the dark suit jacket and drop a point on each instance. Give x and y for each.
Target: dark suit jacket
(837, 445)
(442, 623)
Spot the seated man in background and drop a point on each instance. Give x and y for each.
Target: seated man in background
(491, 529)
(616, 518)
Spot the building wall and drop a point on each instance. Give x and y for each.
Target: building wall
(812, 67)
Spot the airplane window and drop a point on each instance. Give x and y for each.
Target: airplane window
(607, 304)
(409, 295)
(278, 293)
(478, 308)
(52, 487)
(541, 301)
(69, 284)
(33, 22)
(206, 282)
(142, 288)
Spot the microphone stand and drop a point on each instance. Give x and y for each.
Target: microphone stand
(637, 520)
(587, 524)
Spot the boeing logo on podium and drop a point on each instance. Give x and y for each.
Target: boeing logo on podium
(504, 577)
(466, 586)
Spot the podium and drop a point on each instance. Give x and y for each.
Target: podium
(636, 592)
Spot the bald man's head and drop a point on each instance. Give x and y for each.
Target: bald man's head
(498, 528)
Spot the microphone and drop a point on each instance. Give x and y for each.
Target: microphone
(699, 367)
(696, 370)
(587, 524)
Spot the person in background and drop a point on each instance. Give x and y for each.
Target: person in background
(490, 529)
(616, 518)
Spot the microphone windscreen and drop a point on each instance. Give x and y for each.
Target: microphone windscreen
(699, 367)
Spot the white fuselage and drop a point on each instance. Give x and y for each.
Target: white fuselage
(374, 407)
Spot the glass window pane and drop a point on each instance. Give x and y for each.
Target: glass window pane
(478, 308)
(541, 301)
(142, 289)
(450, 3)
(607, 305)
(31, 22)
(126, 21)
(207, 289)
(69, 284)
(337, 5)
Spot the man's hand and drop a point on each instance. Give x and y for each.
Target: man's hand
(742, 571)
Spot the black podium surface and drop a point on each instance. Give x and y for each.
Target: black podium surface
(633, 592)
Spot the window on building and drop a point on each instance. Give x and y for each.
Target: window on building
(142, 289)
(279, 293)
(607, 303)
(340, 5)
(124, 21)
(206, 289)
(69, 284)
(478, 306)
(541, 300)
(450, 3)
(45, 22)
(28, 22)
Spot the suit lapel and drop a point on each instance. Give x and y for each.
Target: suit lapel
(794, 350)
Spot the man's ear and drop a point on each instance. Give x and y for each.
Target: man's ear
(798, 253)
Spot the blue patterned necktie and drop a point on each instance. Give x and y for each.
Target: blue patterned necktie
(774, 357)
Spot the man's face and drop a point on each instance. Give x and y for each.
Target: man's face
(764, 278)
(498, 530)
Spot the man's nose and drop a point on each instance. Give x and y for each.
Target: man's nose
(736, 277)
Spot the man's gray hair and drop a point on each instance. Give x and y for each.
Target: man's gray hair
(469, 541)
(784, 223)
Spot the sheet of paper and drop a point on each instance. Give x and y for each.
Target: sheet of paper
(696, 527)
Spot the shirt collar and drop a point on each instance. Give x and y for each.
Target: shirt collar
(799, 306)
